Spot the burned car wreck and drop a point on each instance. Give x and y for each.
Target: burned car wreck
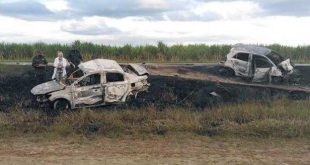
(95, 83)
(258, 64)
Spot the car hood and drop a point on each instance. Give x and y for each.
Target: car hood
(47, 87)
(138, 69)
(132, 78)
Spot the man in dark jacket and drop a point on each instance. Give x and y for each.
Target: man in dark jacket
(74, 58)
(39, 64)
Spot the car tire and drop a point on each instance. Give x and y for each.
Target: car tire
(298, 95)
(276, 80)
(226, 72)
(296, 78)
(61, 105)
(138, 101)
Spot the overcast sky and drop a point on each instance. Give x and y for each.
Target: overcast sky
(119, 22)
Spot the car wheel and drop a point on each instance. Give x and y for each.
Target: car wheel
(296, 78)
(226, 72)
(138, 101)
(298, 95)
(61, 105)
(276, 79)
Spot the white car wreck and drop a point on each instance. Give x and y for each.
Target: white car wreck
(95, 83)
(258, 64)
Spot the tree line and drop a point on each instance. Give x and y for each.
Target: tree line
(143, 53)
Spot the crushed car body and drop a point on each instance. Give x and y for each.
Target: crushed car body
(95, 83)
(259, 64)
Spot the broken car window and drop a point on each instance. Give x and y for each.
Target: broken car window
(93, 79)
(77, 74)
(114, 77)
(242, 57)
(261, 62)
(275, 57)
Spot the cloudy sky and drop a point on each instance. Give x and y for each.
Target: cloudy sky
(119, 22)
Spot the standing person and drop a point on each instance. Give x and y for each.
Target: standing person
(39, 64)
(60, 64)
(75, 58)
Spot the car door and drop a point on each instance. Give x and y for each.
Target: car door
(88, 90)
(241, 64)
(116, 87)
(262, 67)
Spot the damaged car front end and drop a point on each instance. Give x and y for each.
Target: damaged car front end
(42, 91)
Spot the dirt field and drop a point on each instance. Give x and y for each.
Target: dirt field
(170, 85)
(172, 150)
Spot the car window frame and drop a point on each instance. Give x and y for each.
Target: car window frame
(236, 56)
(83, 77)
(71, 75)
(263, 58)
(106, 78)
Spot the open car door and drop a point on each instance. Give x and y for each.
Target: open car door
(241, 64)
(262, 68)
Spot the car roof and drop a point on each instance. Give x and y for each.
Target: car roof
(98, 65)
(251, 49)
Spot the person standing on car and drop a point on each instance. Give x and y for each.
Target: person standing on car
(74, 58)
(39, 64)
(60, 64)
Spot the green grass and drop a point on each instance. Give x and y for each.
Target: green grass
(283, 119)
(160, 53)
